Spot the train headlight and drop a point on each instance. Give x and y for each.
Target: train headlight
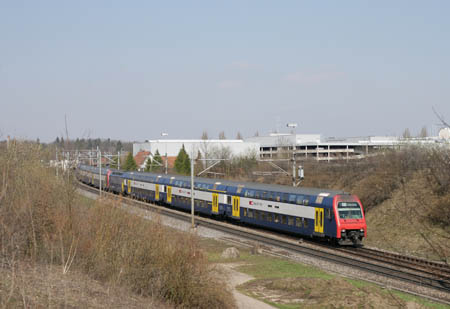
(362, 230)
(342, 231)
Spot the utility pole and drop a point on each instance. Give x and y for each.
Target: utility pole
(294, 143)
(99, 171)
(118, 160)
(165, 142)
(57, 162)
(192, 190)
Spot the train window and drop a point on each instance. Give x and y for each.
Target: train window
(305, 223)
(269, 217)
(250, 193)
(305, 202)
(290, 220)
(298, 222)
(250, 213)
(263, 216)
(276, 218)
(292, 198)
(283, 220)
(228, 199)
(278, 197)
(257, 194)
(245, 212)
(285, 197)
(239, 189)
(320, 219)
(271, 196)
(265, 195)
(256, 214)
(300, 199)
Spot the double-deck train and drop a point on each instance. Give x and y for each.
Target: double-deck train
(333, 215)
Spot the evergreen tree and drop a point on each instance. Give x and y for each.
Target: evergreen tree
(148, 165)
(182, 162)
(187, 165)
(155, 167)
(130, 164)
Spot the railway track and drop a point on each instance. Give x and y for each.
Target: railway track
(435, 277)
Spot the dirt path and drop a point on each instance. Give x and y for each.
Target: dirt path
(236, 278)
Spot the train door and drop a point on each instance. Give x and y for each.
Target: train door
(236, 211)
(123, 186)
(318, 222)
(169, 194)
(156, 192)
(215, 203)
(129, 186)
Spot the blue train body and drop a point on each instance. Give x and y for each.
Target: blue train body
(334, 215)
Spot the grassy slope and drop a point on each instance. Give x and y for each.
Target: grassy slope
(286, 284)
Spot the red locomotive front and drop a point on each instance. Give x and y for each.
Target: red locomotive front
(350, 219)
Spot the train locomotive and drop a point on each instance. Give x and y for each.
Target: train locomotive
(332, 215)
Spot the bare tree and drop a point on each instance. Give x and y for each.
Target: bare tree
(406, 133)
(205, 135)
(222, 135)
(441, 118)
(423, 132)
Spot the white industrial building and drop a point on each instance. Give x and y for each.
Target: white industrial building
(208, 147)
(282, 145)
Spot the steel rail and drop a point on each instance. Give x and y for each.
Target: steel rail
(386, 271)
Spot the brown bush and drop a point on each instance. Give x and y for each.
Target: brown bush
(43, 220)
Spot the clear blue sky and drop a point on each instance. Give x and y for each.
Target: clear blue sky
(133, 69)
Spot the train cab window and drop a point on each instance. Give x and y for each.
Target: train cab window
(283, 219)
(298, 222)
(245, 212)
(276, 218)
(228, 199)
(292, 198)
(290, 220)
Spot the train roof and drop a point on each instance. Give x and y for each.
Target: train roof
(249, 185)
(234, 183)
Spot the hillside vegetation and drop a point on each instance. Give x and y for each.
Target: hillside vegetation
(58, 249)
(405, 193)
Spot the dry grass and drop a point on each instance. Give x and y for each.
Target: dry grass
(45, 225)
